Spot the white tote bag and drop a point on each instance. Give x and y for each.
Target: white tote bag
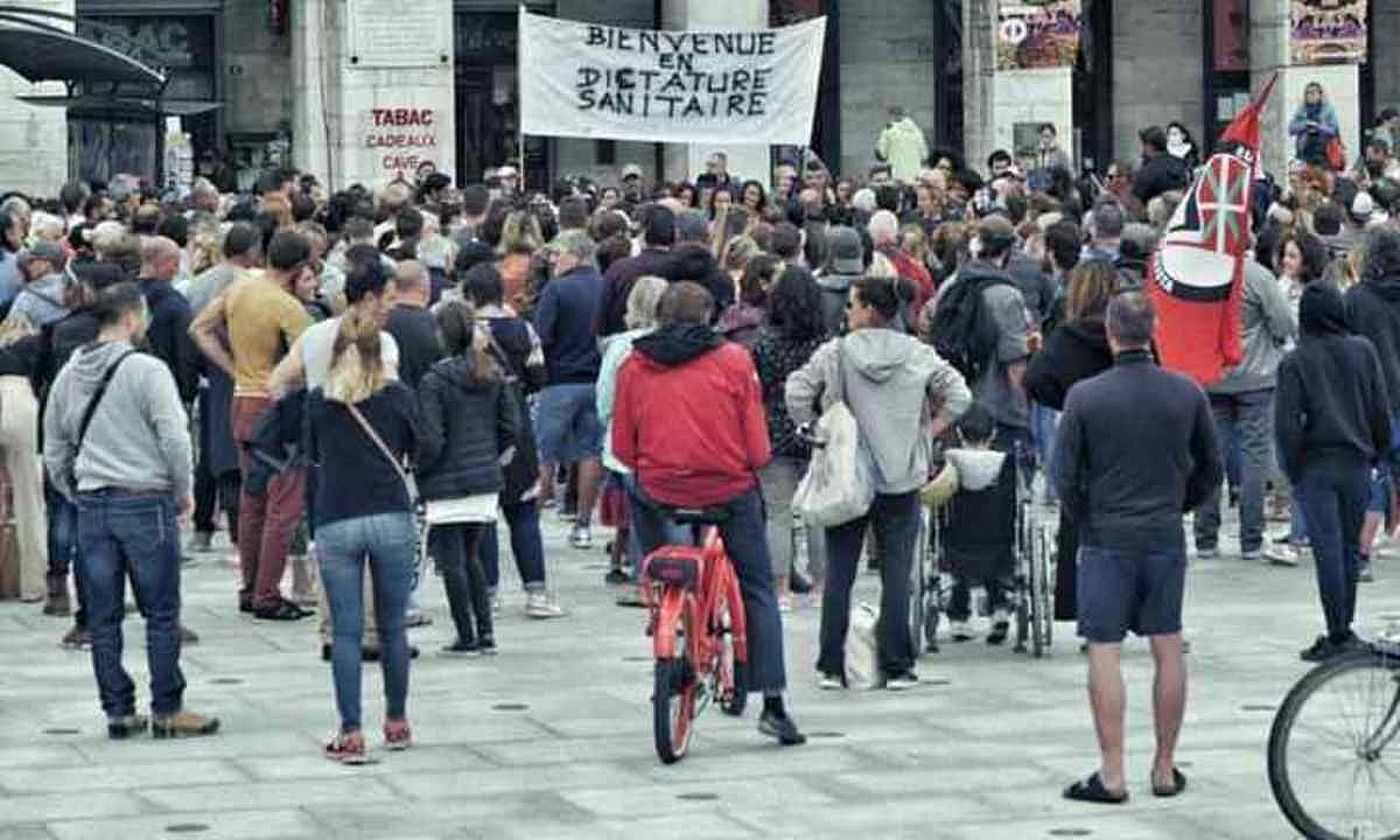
(840, 484)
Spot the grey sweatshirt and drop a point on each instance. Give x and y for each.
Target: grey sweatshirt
(1269, 325)
(139, 438)
(41, 302)
(894, 384)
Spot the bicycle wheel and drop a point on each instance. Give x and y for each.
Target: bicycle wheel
(672, 708)
(918, 583)
(1334, 760)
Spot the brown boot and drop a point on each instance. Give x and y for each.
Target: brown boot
(183, 725)
(58, 603)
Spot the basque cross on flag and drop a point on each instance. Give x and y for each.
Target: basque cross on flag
(1196, 275)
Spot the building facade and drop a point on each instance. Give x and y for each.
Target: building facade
(371, 90)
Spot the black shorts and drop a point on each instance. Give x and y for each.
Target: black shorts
(1139, 591)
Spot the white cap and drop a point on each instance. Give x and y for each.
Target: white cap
(1363, 205)
(507, 171)
(631, 170)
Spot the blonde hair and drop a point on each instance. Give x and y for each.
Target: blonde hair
(521, 233)
(881, 266)
(642, 302)
(357, 369)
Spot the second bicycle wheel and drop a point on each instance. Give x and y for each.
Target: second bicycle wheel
(1334, 755)
(672, 708)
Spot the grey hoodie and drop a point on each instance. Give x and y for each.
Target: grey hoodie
(41, 302)
(139, 438)
(1270, 323)
(834, 288)
(894, 384)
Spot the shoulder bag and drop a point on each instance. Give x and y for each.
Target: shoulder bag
(839, 485)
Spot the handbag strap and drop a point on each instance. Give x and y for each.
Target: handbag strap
(383, 447)
(840, 371)
(97, 396)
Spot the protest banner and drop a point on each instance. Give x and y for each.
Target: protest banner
(1328, 31)
(1034, 34)
(594, 80)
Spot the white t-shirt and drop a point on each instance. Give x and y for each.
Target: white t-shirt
(318, 342)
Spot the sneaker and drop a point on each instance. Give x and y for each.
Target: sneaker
(782, 728)
(961, 631)
(538, 605)
(1210, 553)
(1282, 554)
(799, 584)
(79, 638)
(59, 605)
(184, 725)
(347, 748)
(1251, 555)
(616, 577)
(581, 537)
(784, 603)
(1365, 573)
(830, 682)
(397, 735)
(188, 636)
(460, 649)
(201, 542)
(1001, 628)
(902, 682)
(283, 610)
(631, 597)
(486, 646)
(1323, 648)
(120, 728)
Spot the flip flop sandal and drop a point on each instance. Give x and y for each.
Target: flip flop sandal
(1178, 784)
(1092, 790)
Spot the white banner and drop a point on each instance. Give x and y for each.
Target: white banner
(593, 80)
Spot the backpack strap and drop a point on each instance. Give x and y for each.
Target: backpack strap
(97, 395)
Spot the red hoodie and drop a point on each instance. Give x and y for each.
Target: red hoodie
(688, 419)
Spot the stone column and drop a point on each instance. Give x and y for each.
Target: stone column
(375, 94)
(979, 80)
(33, 138)
(688, 160)
(1269, 52)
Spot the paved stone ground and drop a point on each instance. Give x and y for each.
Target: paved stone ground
(552, 738)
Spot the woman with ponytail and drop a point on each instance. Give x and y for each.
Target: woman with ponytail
(361, 427)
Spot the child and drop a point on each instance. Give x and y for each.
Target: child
(979, 534)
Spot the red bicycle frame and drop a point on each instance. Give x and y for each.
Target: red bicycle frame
(686, 586)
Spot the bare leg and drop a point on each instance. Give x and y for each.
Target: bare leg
(547, 472)
(1369, 527)
(1168, 702)
(1107, 698)
(590, 477)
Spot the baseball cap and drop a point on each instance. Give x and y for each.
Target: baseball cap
(43, 250)
(507, 171)
(631, 170)
(1362, 206)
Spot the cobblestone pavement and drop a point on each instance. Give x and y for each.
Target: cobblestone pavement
(552, 737)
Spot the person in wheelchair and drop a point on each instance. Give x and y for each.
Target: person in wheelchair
(979, 536)
(688, 422)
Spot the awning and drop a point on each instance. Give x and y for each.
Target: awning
(95, 106)
(41, 52)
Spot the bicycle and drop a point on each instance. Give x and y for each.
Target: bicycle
(698, 633)
(1329, 744)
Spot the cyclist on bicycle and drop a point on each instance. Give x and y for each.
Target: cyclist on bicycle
(688, 421)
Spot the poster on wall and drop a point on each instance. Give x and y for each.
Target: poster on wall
(1328, 31)
(594, 80)
(1034, 34)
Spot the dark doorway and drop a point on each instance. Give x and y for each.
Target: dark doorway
(1092, 87)
(948, 74)
(1226, 66)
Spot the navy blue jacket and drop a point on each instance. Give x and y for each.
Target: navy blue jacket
(1136, 448)
(468, 423)
(564, 320)
(168, 335)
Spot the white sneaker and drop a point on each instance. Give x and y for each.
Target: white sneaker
(495, 597)
(785, 603)
(1282, 554)
(538, 605)
(831, 682)
(961, 631)
(581, 537)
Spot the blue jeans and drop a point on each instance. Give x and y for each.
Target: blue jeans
(121, 535)
(1043, 426)
(1334, 501)
(63, 546)
(523, 518)
(746, 541)
(1249, 418)
(895, 519)
(389, 541)
(672, 534)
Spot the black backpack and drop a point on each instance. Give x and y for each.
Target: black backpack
(964, 332)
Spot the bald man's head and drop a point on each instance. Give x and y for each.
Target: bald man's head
(411, 279)
(160, 258)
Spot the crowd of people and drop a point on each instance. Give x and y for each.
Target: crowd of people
(323, 375)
